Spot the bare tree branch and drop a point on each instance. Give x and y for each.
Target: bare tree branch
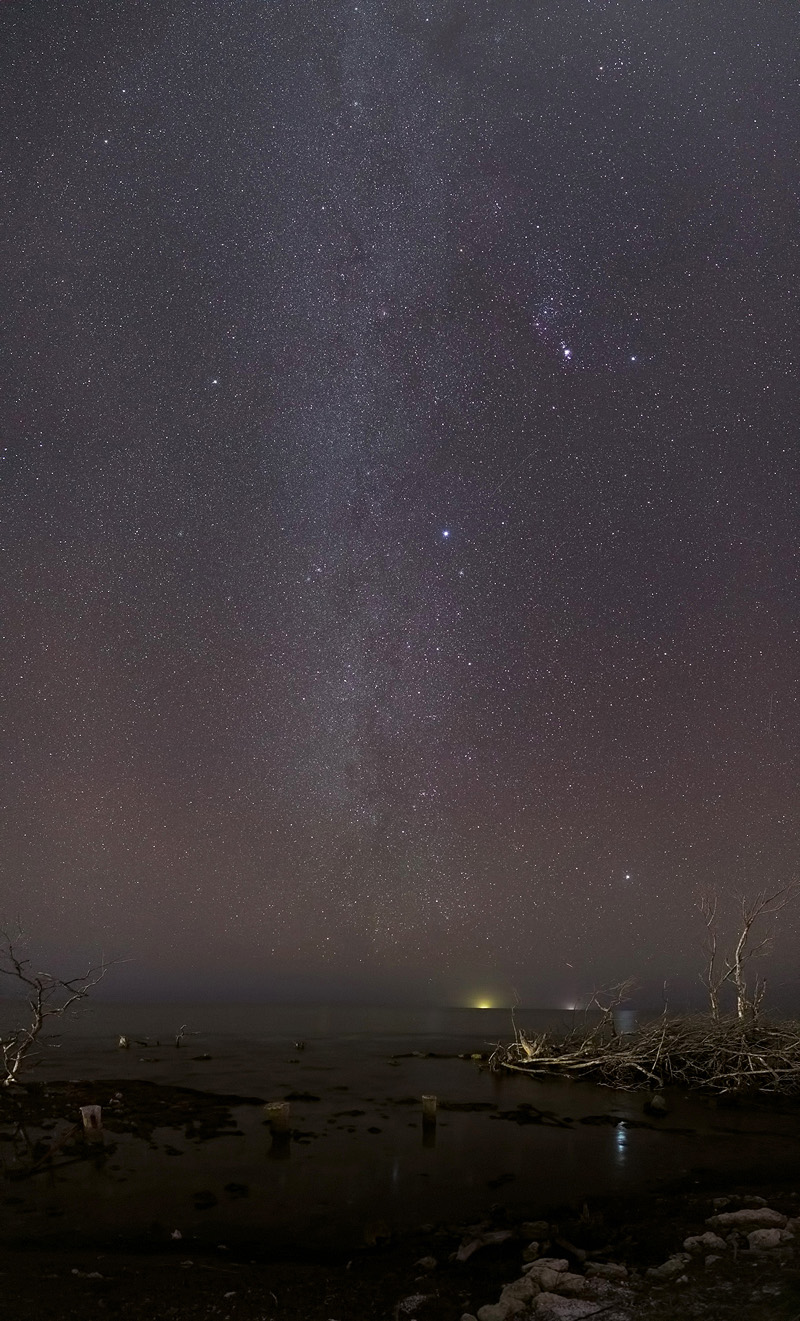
(735, 966)
(46, 996)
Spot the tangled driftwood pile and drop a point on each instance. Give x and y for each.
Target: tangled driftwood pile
(722, 1055)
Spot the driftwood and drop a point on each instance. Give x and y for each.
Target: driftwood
(721, 1055)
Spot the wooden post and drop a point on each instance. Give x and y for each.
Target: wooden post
(92, 1120)
(429, 1106)
(277, 1113)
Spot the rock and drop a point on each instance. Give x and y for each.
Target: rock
(532, 1251)
(655, 1105)
(525, 1288)
(719, 1202)
(467, 1316)
(427, 1263)
(748, 1218)
(762, 1240)
(408, 1306)
(606, 1270)
(570, 1285)
(546, 1279)
(501, 1311)
(552, 1307)
(711, 1259)
(534, 1229)
(704, 1243)
(754, 1201)
(473, 1243)
(669, 1269)
(547, 1272)
(793, 1224)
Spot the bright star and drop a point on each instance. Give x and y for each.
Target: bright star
(445, 532)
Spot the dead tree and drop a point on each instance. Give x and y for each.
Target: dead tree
(46, 997)
(608, 1000)
(732, 969)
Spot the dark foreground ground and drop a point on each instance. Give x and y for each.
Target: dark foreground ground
(417, 1276)
(387, 1282)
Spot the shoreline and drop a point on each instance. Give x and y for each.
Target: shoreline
(68, 1271)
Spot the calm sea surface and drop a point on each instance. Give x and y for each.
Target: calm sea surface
(364, 1164)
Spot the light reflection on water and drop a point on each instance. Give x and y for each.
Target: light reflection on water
(621, 1146)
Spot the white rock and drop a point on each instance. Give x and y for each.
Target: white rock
(607, 1270)
(525, 1288)
(570, 1285)
(501, 1311)
(704, 1243)
(669, 1269)
(552, 1307)
(761, 1240)
(755, 1217)
(547, 1280)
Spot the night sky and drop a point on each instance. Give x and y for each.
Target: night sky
(399, 430)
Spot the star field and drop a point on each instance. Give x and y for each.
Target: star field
(400, 489)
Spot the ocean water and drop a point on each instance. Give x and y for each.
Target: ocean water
(365, 1165)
